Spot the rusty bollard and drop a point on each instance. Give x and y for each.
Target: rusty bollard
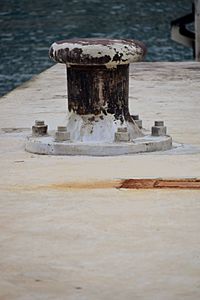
(99, 122)
(98, 86)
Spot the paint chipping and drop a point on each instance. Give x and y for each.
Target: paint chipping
(97, 52)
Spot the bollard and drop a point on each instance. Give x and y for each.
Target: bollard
(99, 122)
(98, 85)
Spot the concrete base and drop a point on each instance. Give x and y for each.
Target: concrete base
(48, 145)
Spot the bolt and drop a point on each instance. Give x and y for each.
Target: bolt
(62, 134)
(122, 135)
(39, 123)
(158, 129)
(159, 123)
(135, 117)
(97, 78)
(39, 129)
(137, 120)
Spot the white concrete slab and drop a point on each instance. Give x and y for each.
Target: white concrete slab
(92, 243)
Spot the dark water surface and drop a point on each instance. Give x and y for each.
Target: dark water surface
(27, 29)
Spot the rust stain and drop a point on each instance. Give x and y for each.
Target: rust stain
(137, 184)
(88, 185)
(108, 89)
(185, 183)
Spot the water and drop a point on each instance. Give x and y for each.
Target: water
(28, 28)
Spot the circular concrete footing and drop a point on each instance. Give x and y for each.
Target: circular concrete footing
(47, 145)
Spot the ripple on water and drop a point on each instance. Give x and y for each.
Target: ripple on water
(29, 27)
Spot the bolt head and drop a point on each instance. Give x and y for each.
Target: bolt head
(158, 131)
(39, 123)
(159, 123)
(39, 130)
(61, 136)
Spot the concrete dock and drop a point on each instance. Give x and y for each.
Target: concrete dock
(64, 236)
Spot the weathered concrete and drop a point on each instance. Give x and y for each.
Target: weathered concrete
(60, 145)
(91, 243)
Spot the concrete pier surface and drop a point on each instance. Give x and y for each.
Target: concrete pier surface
(64, 236)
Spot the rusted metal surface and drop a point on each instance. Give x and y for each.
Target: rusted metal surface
(98, 90)
(187, 183)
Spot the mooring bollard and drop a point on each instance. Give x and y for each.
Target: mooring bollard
(98, 86)
(99, 121)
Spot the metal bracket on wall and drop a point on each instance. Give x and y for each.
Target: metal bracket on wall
(180, 33)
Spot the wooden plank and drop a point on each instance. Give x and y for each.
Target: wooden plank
(197, 30)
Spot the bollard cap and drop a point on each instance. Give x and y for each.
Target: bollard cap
(106, 52)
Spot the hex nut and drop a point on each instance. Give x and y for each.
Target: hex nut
(61, 136)
(122, 135)
(39, 129)
(159, 129)
(159, 123)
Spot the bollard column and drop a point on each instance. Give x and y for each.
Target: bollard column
(96, 90)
